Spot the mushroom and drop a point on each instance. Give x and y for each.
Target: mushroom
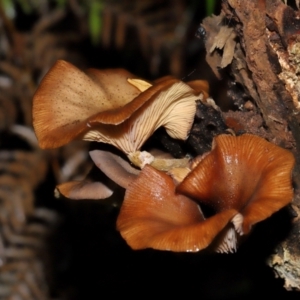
(243, 180)
(153, 215)
(113, 166)
(78, 190)
(245, 173)
(102, 106)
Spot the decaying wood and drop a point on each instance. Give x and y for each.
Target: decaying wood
(265, 89)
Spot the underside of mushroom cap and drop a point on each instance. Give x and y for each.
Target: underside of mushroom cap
(78, 190)
(114, 167)
(103, 106)
(172, 106)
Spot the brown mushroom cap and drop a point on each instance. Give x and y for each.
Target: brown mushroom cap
(102, 106)
(154, 216)
(244, 173)
(172, 105)
(200, 86)
(67, 97)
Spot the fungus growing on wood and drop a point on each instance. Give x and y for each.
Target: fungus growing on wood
(153, 215)
(101, 105)
(245, 173)
(113, 166)
(243, 180)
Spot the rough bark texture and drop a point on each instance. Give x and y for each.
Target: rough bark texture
(256, 43)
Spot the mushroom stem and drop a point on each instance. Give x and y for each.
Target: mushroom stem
(142, 158)
(167, 164)
(178, 174)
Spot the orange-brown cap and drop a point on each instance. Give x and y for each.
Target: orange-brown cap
(245, 173)
(154, 216)
(103, 106)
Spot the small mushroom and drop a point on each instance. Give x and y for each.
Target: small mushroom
(103, 106)
(113, 166)
(78, 190)
(245, 173)
(153, 215)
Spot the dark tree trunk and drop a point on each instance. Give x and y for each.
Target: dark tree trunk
(258, 44)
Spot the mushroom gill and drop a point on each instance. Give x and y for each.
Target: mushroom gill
(101, 105)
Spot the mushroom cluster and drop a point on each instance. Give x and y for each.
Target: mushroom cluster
(177, 205)
(111, 106)
(241, 181)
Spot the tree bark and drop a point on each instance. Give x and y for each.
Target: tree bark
(258, 44)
